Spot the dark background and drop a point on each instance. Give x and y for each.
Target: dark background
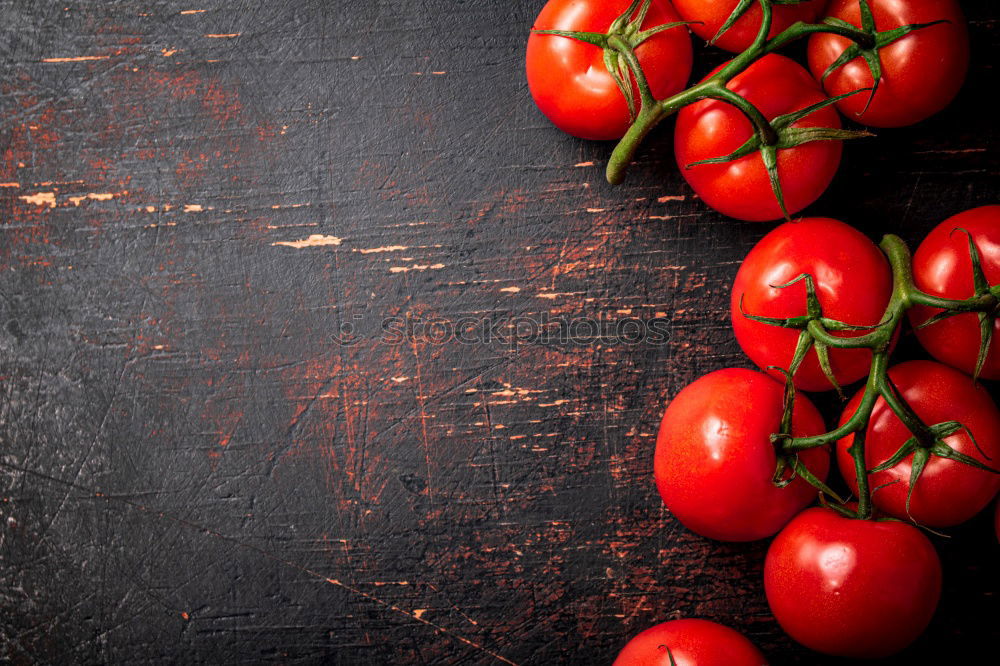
(193, 470)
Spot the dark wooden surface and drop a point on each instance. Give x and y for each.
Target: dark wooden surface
(192, 469)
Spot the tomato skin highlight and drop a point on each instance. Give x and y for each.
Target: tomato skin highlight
(922, 71)
(942, 266)
(714, 459)
(853, 283)
(948, 492)
(568, 78)
(712, 15)
(742, 189)
(691, 642)
(852, 588)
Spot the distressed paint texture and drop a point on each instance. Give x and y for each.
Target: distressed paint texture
(198, 199)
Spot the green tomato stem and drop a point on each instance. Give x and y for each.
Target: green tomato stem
(762, 126)
(798, 30)
(654, 113)
(857, 421)
(905, 295)
(626, 51)
(766, 20)
(984, 303)
(905, 413)
(649, 117)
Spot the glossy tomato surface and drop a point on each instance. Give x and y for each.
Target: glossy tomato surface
(742, 189)
(853, 284)
(921, 72)
(942, 266)
(569, 80)
(690, 642)
(853, 588)
(948, 492)
(710, 15)
(715, 461)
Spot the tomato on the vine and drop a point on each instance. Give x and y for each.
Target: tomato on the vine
(852, 588)
(942, 266)
(708, 16)
(948, 491)
(922, 71)
(690, 642)
(570, 81)
(852, 282)
(715, 462)
(742, 188)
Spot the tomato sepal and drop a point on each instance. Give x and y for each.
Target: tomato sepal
(985, 302)
(814, 329)
(790, 461)
(743, 7)
(799, 470)
(778, 134)
(922, 455)
(942, 450)
(785, 121)
(619, 43)
(598, 39)
(869, 49)
(986, 320)
(841, 508)
(739, 10)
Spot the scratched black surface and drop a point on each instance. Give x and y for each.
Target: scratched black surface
(192, 470)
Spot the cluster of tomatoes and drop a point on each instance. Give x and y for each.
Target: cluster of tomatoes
(740, 453)
(837, 584)
(918, 48)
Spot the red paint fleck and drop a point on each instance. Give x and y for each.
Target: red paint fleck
(267, 131)
(191, 170)
(221, 104)
(28, 222)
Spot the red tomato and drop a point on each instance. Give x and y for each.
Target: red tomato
(921, 72)
(712, 14)
(690, 643)
(776, 85)
(714, 458)
(948, 492)
(569, 80)
(853, 284)
(942, 266)
(853, 588)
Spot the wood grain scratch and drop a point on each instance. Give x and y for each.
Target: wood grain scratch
(315, 240)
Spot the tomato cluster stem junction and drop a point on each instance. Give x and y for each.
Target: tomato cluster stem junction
(769, 137)
(927, 439)
(817, 333)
